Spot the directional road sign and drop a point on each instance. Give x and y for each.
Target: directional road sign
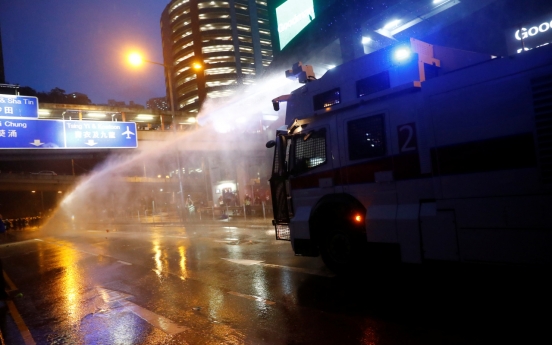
(104, 134)
(18, 106)
(60, 134)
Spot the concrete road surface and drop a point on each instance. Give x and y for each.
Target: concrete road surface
(225, 283)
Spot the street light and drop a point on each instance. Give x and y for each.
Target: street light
(197, 66)
(137, 59)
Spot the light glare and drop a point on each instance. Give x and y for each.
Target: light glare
(135, 59)
(98, 115)
(144, 117)
(270, 117)
(392, 24)
(402, 54)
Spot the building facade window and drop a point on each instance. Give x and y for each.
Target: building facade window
(230, 39)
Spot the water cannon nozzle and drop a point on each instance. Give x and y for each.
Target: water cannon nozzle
(303, 73)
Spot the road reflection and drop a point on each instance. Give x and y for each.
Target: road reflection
(260, 289)
(182, 262)
(160, 259)
(71, 282)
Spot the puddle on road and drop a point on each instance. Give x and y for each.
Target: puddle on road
(234, 242)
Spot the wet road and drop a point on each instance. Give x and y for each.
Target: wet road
(227, 284)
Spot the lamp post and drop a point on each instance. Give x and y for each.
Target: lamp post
(136, 59)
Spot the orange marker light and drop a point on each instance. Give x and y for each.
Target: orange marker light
(358, 218)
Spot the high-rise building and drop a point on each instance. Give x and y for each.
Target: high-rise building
(229, 39)
(158, 103)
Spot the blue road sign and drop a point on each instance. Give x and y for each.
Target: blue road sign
(100, 134)
(60, 134)
(18, 106)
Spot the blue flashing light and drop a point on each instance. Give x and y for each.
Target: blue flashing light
(402, 54)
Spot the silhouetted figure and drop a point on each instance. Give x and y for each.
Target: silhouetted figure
(3, 293)
(190, 206)
(247, 203)
(3, 232)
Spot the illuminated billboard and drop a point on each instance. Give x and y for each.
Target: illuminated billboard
(292, 17)
(535, 33)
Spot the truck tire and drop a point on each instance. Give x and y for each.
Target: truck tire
(339, 250)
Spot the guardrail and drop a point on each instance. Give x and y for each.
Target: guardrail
(262, 211)
(170, 217)
(38, 177)
(238, 212)
(71, 178)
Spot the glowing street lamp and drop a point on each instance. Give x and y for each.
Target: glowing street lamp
(197, 66)
(199, 69)
(137, 59)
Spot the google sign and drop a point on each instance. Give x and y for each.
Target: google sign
(534, 35)
(524, 33)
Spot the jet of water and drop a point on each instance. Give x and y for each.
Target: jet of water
(115, 189)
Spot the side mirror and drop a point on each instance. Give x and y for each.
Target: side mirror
(270, 144)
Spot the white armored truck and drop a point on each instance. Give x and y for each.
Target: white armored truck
(418, 152)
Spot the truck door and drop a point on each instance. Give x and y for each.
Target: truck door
(279, 182)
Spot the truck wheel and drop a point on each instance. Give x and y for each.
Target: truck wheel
(338, 251)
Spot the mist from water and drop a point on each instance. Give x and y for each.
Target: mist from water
(225, 126)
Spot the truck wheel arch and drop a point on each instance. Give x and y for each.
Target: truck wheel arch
(333, 208)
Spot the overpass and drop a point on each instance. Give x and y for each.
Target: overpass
(64, 183)
(154, 127)
(146, 119)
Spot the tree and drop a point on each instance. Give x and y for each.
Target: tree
(56, 95)
(78, 98)
(27, 91)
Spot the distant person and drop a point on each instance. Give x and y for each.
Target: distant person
(247, 202)
(223, 207)
(3, 232)
(190, 205)
(227, 196)
(3, 294)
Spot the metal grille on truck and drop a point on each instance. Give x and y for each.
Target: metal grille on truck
(282, 232)
(280, 202)
(311, 152)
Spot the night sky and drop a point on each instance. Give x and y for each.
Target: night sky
(80, 46)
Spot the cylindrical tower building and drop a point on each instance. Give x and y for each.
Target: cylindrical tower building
(230, 39)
